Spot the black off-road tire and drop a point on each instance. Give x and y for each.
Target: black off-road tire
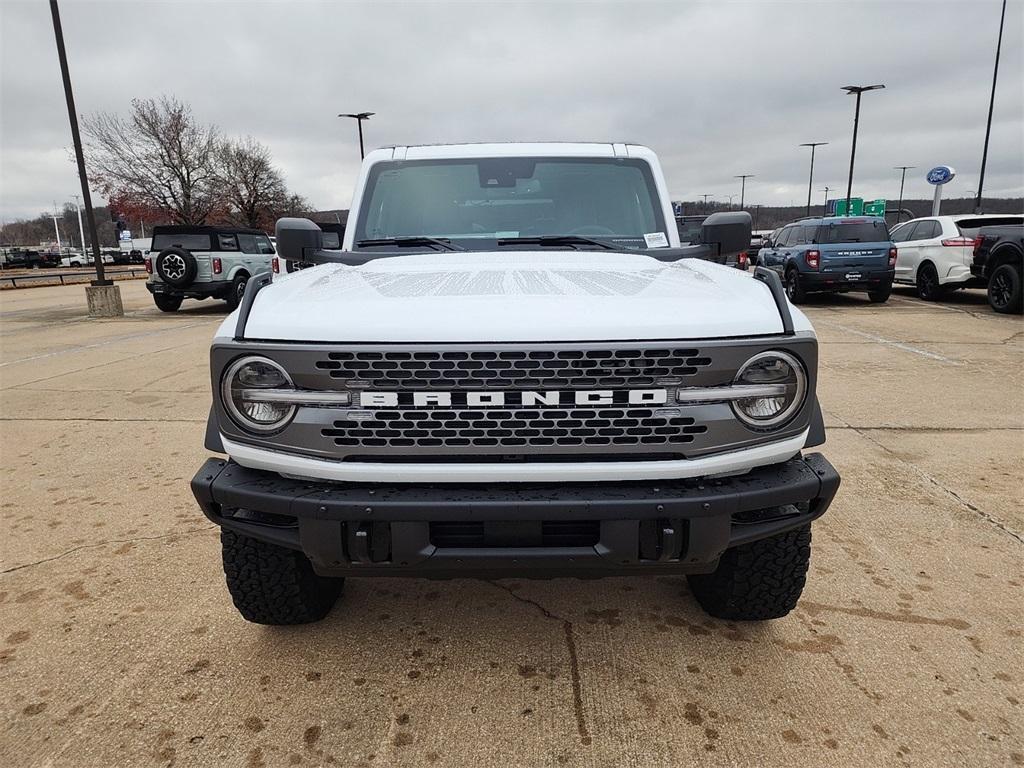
(176, 266)
(757, 581)
(794, 289)
(881, 294)
(237, 291)
(928, 287)
(1005, 293)
(166, 303)
(274, 585)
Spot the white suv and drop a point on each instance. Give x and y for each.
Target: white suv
(935, 253)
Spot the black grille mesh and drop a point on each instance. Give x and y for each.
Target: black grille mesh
(526, 369)
(518, 428)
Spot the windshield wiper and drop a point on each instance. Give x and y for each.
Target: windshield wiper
(438, 243)
(556, 240)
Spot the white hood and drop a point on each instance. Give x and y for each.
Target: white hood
(514, 296)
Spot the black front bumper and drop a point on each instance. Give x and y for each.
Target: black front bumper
(446, 530)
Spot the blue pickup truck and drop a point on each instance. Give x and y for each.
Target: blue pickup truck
(831, 255)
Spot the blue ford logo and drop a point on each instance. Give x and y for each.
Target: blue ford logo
(940, 174)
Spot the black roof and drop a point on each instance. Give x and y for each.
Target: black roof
(192, 229)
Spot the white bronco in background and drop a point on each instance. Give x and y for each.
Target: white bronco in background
(511, 367)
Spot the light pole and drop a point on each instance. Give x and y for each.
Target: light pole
(810, 179)
(359, 117)
(991, 105)
(903, 176)
(706, 201)
(858, 90)
(730, 199)
(743, 185)
(824, 205)
(104, 298)
(81, 231)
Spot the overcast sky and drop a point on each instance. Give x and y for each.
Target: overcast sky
(717, 89)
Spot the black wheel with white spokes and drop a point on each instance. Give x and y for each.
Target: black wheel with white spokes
(176, 267)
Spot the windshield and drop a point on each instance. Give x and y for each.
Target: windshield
(970, 227)
(867, 231)
(476, 202)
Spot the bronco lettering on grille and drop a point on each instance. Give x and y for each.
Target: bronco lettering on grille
(525, 398)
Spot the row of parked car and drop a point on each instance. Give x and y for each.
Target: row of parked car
(935, 254)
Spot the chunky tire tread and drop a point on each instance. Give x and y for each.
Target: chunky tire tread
(274, 585)
(757, 581)
(881, 295)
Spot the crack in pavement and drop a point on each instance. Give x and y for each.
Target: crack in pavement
(574, 664)
(996, 523)
(107, 543)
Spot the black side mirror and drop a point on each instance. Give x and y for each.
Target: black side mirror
(727, 233)
(298, 239)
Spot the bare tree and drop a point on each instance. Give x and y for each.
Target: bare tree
(251, 188)
(159, 157)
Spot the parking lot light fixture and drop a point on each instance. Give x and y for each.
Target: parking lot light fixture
(857, 90)
(903, 177)
(359, 117)
(743, 185)
(824, 205)
(810, 180)
(991, 106)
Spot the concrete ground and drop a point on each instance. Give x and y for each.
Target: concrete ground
(119, 644)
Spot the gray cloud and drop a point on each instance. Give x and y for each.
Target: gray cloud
(716, 89)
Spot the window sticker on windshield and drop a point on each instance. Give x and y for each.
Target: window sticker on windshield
(656, 240)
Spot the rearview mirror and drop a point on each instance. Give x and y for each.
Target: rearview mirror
(298, 239)
(727, 233)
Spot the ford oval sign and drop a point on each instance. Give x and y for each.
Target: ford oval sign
(940, 174)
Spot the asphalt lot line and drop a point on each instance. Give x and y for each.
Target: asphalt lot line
(889, 342)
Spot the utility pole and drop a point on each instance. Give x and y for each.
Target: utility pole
(60, 248)
(81, 231)
(810, 179)
(103, 296)
(858, 90)
(903, 176)
(991, 105)
(743, 185)
(359, 117)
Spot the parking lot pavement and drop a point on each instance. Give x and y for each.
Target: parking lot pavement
(119, 644)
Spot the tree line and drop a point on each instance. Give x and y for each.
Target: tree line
(161, 165)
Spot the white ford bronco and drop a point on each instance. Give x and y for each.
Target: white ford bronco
(510, 367)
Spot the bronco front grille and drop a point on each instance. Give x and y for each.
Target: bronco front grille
(523, 369)
(648, 428)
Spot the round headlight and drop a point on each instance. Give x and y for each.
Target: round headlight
(783, 383)
(240, 391)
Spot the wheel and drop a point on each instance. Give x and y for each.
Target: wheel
(166, 303)
(928, 287)
(274, 585)
(1004, 289)
(234, 297)
(794, 290)
(881, 294)
(757, 581)
(176, 266)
